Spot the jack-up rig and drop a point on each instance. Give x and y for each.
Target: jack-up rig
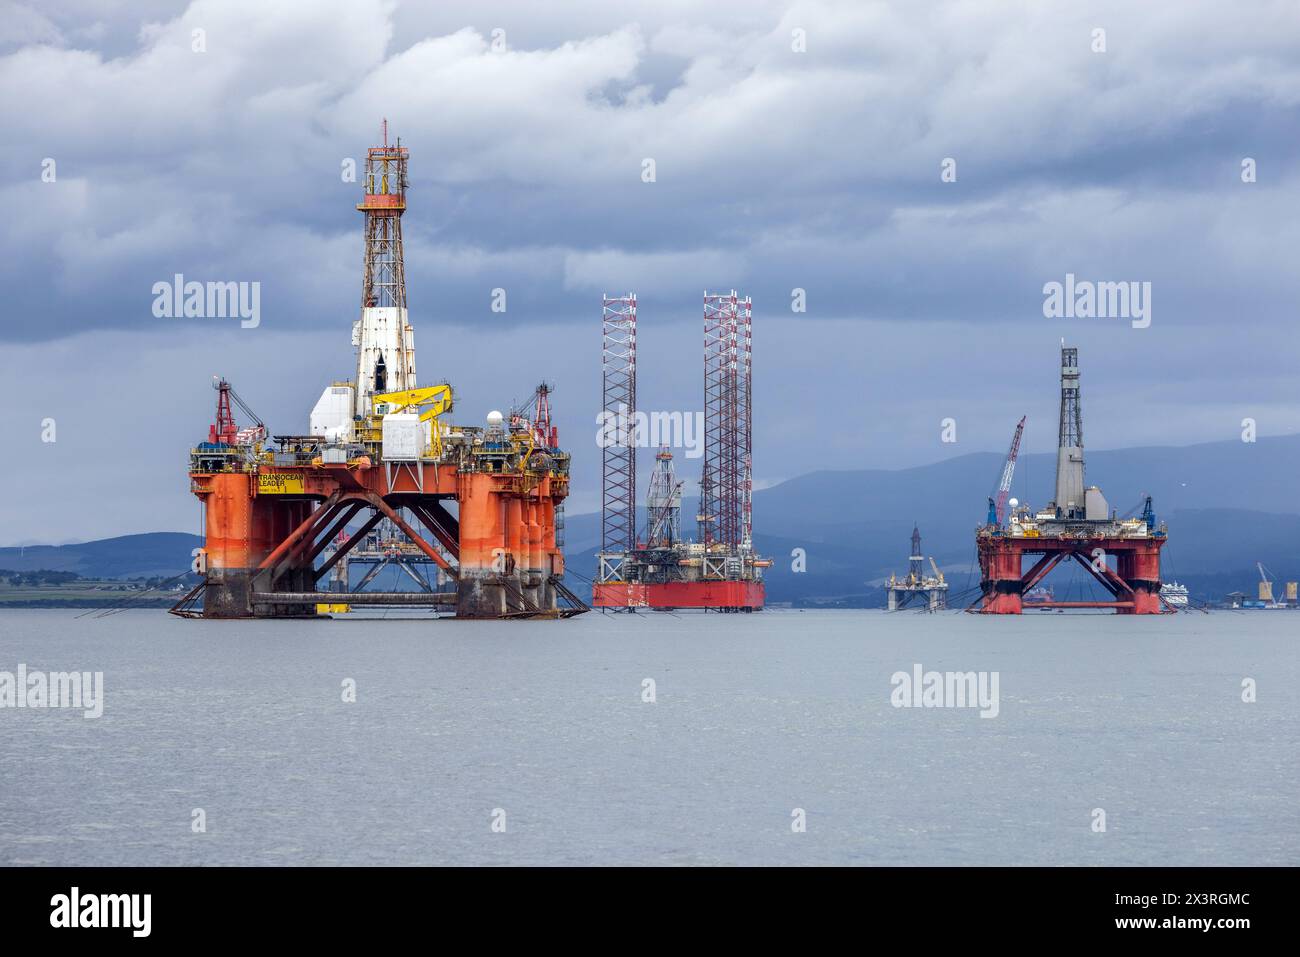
(379, 449)
(1122, 554)
(658, 568)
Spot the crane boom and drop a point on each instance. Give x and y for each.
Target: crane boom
(1009, 470)
(430, 402)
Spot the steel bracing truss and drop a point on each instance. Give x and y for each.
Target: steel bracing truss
(618, 434)
(726, 484)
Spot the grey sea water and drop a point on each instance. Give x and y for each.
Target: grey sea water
(755, 716)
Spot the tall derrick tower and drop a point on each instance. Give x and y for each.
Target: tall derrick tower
(916, 560)
(383, 336)
(663, 504)
(1069, 451)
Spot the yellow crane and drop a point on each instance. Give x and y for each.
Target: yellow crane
(430, 402)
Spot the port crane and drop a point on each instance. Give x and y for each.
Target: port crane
(1265, 583)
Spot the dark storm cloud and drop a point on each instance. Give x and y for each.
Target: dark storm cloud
(775, 170)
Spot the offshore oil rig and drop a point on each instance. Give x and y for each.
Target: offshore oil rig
(489, 499)
(932, 589)
(1121, 554)
(656, 567)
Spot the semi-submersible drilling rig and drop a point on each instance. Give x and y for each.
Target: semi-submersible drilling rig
(379, 448)
(657, 568)
(1122, 554)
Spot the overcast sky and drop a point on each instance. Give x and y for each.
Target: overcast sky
(795, 145)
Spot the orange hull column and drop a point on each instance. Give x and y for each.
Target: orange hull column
(229, 546)
(533, 569)
(549, 565)
(241, 531)
(516, 559)
(480, 589)
(1140, 569)
(1003, 589)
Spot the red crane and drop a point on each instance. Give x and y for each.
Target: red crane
(224, 431)
(1008, 470)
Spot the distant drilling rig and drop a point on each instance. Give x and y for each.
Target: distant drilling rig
(378, 448)
(657, 568)
(933, 589)
(1121, 554)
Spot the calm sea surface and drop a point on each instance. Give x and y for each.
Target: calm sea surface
(754, 717)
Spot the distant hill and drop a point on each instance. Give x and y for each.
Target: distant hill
(129, 556)
(1227, 504)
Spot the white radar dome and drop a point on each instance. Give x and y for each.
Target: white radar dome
(1014, 502)
(494, 419)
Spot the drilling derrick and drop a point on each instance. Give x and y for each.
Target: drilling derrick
(1121, 554)
(663, 504)
(719, 571)
(375, 474)
(383, 336)
(618, 435)
(1069, 452)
